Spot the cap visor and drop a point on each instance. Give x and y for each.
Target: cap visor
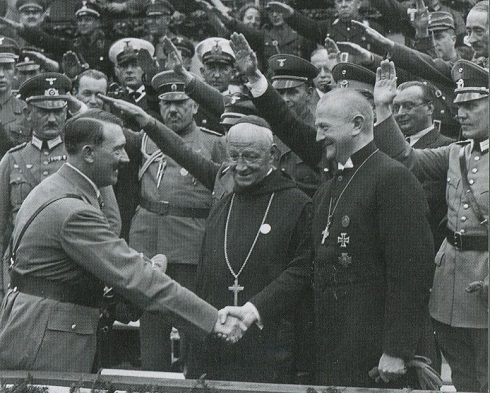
(173, 96)
(49, 104)
(27, 67)
(286, 83)
(7, 60)
(470, 96)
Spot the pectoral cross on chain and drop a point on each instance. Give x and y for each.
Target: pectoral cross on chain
(235, 288)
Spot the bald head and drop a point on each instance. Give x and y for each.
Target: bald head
(246, 133)
(344, 123)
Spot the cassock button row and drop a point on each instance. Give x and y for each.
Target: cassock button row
(474, 170)
(471, 181)
(339, 178)
(463, 218)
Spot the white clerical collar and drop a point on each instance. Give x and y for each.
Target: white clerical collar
(96, 189)
(51, 143)
(413, 139)
(348, 164)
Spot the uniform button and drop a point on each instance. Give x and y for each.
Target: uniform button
(45, 162)
(348, 29)
(101, 58)
(477, 158)
(45, 173)
(213, 193)
(204, 121)
(474, 170)
(16, 166)
(46, 153)
(442, 111)
(463, 218)
(74, 326)
(466, 206)
(339, 178)
(471, 181)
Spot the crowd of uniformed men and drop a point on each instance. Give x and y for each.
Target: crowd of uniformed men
(321, 183)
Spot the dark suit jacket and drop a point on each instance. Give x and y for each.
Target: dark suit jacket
(70, 241)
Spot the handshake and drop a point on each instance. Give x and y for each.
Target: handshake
(233, 322)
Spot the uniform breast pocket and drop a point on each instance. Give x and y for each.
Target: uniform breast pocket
(70, 338)
(19, 189)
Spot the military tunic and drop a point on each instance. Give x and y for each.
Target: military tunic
(12, 123)
(170, 220)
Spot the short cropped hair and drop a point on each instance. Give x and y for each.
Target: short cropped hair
(480, 6)
(428, 93)
(94, 74)
(87, 128)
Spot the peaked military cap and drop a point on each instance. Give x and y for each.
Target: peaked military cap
(169, 86)
(126, 49)
(9, 50)
(159, 7)
(88, 8)
(25, 5)
(26, 63)
(440, 20)
(215, 50)
(471, 81)
(354, 76)
(48, 90)
(184, 45)
(237, 106)
(290, 71)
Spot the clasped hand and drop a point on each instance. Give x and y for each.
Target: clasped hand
(233, 322)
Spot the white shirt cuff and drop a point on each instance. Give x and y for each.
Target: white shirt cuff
(258, 88)
(254, 310)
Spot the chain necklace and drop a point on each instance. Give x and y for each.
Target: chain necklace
(326, 231)
(235, 288)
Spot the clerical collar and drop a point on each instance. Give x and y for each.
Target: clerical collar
(96, 189)
(51, 143)
(413, 139)
(359, 156)
(348, 164)
(481, 147)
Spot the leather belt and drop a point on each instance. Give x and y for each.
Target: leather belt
(467, 242)
(55, 290)
(166, 209)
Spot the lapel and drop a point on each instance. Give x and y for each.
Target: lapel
(427, 140)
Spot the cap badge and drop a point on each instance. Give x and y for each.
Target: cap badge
(173, 87)
(344, 72)
(344, 83)
(51, 92)
(179, 40)
(234, 99)
(281, 62)
(460, 83)
(460, 69)
(50, 81)
(217, 49)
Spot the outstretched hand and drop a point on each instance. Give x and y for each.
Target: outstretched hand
(245, 58)
(374, 37)
(134, 111)
(385, 86)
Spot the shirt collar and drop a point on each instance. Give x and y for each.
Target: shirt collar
(51, 143)
(483, 146)
(413, 139)
(348, 164)
(96, 189)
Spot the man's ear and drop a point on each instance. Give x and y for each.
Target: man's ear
(358, 122)
(430, 107)
(275, 155)
(195, 107)
(88, 153)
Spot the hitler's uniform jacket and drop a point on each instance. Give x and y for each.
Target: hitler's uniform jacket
(71, 244)
(455, 269)
(22, 169)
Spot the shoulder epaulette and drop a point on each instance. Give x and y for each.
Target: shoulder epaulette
(18, 147)
(463, 142)
(208, 131)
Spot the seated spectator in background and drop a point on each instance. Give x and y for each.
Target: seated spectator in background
(323, 82)
(339, 29)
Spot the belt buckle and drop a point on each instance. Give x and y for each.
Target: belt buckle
(458, 241)
(163, 207)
